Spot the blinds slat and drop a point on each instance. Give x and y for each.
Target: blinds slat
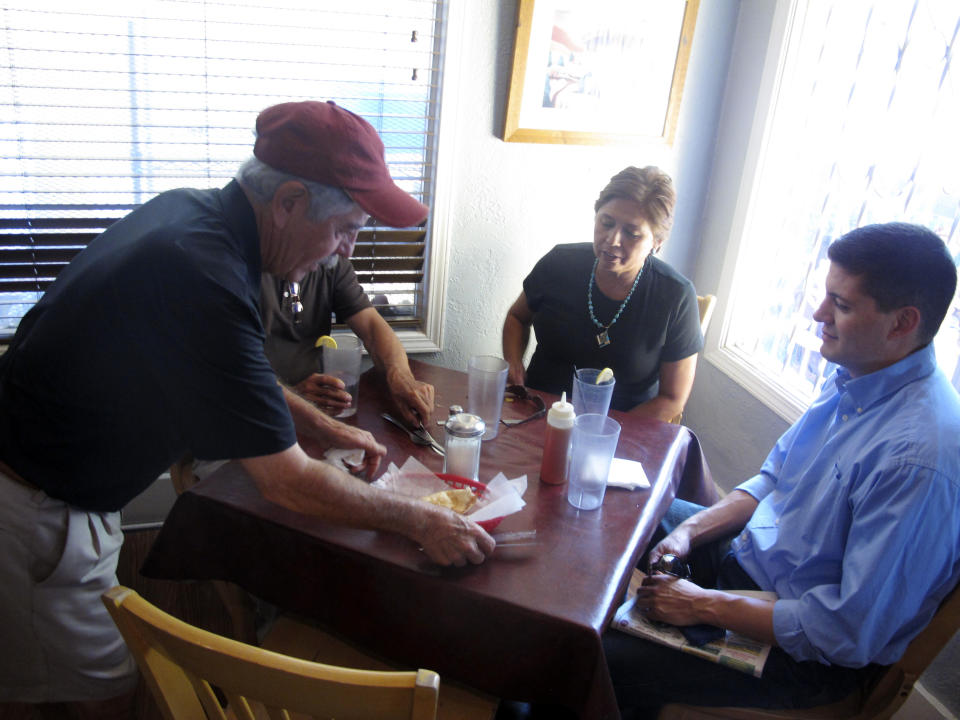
(377, 251)
(379, 265)
(12, 286)
(371, 278)
(44, 241)
(10, 259)
(368, 235)
(32, 274)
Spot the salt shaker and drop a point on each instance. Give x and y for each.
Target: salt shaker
(462, 436)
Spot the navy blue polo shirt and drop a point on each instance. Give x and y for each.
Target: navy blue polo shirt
(148, 346)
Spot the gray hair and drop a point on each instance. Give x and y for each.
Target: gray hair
(262, 181)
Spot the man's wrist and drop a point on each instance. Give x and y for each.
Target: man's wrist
(684, 533)
(707, 606)
(398, 373)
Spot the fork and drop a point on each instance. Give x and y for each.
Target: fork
(415, 436)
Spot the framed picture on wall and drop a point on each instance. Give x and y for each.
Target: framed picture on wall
(598, 71)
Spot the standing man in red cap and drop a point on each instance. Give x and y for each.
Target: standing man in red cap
(149, 346)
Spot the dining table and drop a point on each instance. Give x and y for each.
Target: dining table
(524, 625)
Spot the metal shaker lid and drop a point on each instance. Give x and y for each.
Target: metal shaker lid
(465, 425)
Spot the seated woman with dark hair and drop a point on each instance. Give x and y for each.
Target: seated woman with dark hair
(612, 304)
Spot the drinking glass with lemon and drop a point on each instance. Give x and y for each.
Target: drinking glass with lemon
(342, 359)
(592, 390)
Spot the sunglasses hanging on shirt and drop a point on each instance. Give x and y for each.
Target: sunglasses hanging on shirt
(291, 300)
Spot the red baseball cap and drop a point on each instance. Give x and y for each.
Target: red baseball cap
(323, 142)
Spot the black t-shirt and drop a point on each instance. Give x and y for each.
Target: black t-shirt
(290, 346)
(148, 346)
(661, 323)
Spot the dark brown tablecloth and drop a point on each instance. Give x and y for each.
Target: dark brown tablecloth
(524, 625)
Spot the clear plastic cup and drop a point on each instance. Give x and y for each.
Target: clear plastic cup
(595, 440)
(588, 397)
(343, 362)
(486, 380)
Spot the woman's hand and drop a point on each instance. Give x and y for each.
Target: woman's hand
(516, 374)
(516, 336)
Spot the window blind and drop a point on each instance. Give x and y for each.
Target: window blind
(103, 105)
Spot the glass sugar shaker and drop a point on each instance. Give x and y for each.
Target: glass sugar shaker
(462, 436)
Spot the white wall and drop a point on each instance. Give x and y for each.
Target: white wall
(511, 202)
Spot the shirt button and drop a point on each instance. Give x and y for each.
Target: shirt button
(844, 418)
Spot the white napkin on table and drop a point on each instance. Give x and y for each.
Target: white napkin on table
(627, 474)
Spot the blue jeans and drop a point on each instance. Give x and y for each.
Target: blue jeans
(647, 676)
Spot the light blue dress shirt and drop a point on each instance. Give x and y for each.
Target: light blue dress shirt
(858, 524)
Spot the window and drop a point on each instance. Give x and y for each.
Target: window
(103, 105)
(862, 129)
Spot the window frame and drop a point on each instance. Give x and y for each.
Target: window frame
(771, 56)
(732, 362)
(429, 338)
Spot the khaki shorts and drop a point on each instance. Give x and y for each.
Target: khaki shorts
(59, 642)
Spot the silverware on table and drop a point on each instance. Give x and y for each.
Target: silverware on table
(520, 538)
(418, 437)
(424, 433)
(516, 539)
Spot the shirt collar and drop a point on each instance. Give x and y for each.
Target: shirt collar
(868, 389)
(240, 218)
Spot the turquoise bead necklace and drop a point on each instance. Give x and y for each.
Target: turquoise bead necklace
(603, 337)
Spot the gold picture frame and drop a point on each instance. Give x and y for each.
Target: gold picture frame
(598, 72)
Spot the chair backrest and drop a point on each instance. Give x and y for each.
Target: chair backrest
(896, 683)
(706, 304)
(182, 664)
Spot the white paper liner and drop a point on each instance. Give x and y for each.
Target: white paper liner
(627, 474)
(347, 459)
(503, 496)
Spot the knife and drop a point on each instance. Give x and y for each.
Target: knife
(516, 539)
(521, 538)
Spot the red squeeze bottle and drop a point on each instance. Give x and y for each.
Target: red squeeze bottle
(556, 443)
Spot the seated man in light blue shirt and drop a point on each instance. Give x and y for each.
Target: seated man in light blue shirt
(853, 520)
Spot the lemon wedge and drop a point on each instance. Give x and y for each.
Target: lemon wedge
(326, 341)
(605, 375)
